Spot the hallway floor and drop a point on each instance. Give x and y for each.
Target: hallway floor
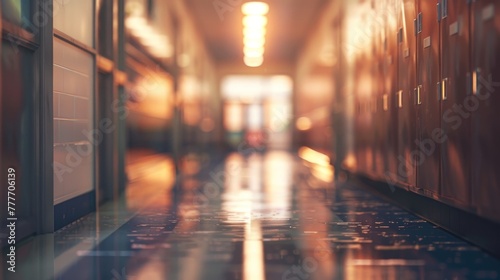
(260, 216)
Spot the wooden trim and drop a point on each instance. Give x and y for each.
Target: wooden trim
(19, 36)
(68, 39)
(104, 64)
(121, 78)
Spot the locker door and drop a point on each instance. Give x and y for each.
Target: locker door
(455, 67)
(390, 85)
(427, 97)
(379, 123)
(485, 119)
(407, 56)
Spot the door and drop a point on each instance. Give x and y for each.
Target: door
(485, 120)
(407, 61)
(455, 90)
(427, 157)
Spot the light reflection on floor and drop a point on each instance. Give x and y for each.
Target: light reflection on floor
(259, 216)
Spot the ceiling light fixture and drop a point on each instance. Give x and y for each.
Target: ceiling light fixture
(253, 52)
(253, 61)
(254, 32)
(255, 8)
(255, 21)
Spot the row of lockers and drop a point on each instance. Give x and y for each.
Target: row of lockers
(429, 122)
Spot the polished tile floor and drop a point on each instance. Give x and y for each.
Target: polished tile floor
(260, 216)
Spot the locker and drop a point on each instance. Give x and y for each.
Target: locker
(485, 121)
(407, 56)
(427, 156)
(455, 67)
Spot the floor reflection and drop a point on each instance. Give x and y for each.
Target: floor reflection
(261, 216)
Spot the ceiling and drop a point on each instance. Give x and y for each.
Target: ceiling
(289, 23)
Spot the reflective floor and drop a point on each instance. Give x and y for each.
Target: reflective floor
(259, 216)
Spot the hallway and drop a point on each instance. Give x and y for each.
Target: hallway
(252, 216)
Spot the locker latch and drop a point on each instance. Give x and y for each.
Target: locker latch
(417, 24)
(442, 10)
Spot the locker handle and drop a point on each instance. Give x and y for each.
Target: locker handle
(444, 89)
(418, 91)
(475, 81)
(385, 102)
(400, 99)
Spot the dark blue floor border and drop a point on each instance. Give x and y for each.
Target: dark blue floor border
(468, 226)
(73, 209)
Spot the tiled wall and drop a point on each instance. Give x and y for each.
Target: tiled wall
(75, 18)
(73, 122)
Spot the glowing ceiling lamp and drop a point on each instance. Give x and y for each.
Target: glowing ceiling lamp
(253, 61)
(252, 44)
(255, 8)
(254, 32)
(254, 21)
(249, 41)
(253, 52)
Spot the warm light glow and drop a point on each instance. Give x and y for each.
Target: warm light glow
(314, 157)
(349, 162)
(155, 40)
(255, 8)
(304, 124)
(257, 41)
(253, 52)
(135, 22)
(254, 32)
(253, 61)
(157, 44)
(254, 21)
(233, 117)
(253, 37)
(254, 43)
(323, 173)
